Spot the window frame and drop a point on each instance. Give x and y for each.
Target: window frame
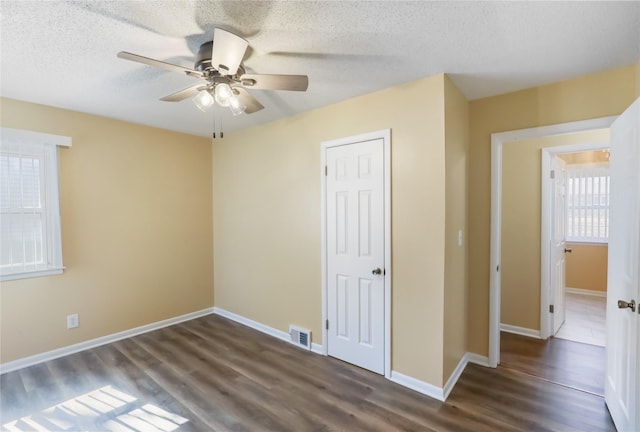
(52, 231)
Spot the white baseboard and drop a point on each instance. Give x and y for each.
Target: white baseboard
(520, 331)
(93, 343)
(436, 392)
(455, 375)
(279, 334)
(478, 359)
(585, 292)
(420, 386)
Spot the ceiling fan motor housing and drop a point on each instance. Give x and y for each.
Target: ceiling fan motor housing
(203, 64)
(203, 58)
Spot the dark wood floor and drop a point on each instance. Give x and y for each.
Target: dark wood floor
(577, 365)
(214, 374)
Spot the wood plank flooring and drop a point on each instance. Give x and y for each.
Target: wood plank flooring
(574, 364)
(585, 319)
(214, 374)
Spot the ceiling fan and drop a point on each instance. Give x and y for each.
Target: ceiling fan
(219, 64)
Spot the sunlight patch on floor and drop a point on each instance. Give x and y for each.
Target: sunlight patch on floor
(585, 319)
(106, 409)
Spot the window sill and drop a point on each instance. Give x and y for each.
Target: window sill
(588, 242)
(31, 274)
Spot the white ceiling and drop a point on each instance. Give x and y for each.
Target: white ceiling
(63, 53)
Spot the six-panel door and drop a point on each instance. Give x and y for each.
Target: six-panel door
(355, 252)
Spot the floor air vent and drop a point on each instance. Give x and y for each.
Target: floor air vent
(300, 337)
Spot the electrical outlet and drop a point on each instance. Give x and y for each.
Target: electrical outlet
(72, 321)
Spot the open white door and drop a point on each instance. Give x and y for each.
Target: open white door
(355, 206)
(558, 243)
(621, 386)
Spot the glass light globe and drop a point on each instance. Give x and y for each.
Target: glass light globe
(203, 100)
(236, 106)
(223, 94)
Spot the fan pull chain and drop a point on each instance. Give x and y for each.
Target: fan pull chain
(213, 112)
(213, 135)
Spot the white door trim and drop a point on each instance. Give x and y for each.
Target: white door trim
(385, 135)
(497, 141)
(546, 226)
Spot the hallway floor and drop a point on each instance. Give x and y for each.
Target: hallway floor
(585, 319)
(571, 364)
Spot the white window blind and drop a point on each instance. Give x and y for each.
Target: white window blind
(588, 204)
(30, 240)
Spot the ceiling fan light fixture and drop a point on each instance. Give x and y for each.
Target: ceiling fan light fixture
(223, 94)
(236, 108)
(204, 100)
(235, 104)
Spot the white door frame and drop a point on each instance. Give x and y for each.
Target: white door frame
(547, 217)
(497, 141)
(385, 135)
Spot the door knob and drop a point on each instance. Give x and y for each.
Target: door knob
(568, 250)
(377, 271)
(631, 305)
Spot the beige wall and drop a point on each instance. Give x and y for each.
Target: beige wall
(455, 276)
(267, 218)
(586, 266)
(521, 221)
(598, 95)
(136, 212)
(586, 157)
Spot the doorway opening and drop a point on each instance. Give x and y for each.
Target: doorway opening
(586, 220)
(574, 237)
(499, 142)
(575, 211)
(529, 251)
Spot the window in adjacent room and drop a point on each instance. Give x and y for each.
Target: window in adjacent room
(587, 193)
(30, 238)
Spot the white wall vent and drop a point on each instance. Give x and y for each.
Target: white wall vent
(300, 337)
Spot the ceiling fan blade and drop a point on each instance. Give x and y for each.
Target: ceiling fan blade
(157, 63)
(251, 103)
(275, 82)
(227, 52)
(184, 94)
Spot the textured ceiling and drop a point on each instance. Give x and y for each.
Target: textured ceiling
(64, 53)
